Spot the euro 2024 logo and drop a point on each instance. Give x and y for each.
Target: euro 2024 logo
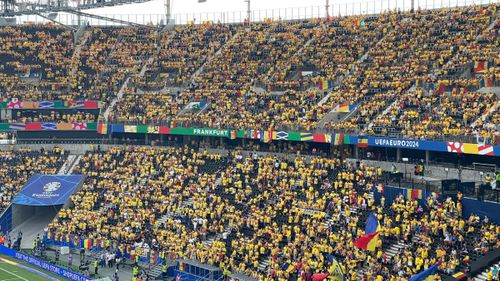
(51, 187)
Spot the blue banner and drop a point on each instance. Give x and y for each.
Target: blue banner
(407, 143)
(48, 190)
(43, 265)
(6, 220)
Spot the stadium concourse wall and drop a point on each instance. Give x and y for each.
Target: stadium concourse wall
(333, 138)
(41, 264)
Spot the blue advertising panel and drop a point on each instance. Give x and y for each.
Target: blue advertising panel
(407, 143)
(48, 190)
(62, 272)
(6, 220)
(496, 150)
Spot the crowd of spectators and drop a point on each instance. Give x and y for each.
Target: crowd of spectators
(265, 216)
(17, 166)
(34, 51)
(266, 75)
(70, 116)
(183, 51)
(417, 45)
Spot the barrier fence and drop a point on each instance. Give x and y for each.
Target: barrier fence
(41, 264)
(96, 245)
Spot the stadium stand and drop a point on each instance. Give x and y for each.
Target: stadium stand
(266, 217)
(423, 75)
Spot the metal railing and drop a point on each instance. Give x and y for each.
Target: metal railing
(237, 17)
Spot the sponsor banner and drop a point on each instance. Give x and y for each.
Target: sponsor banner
(48, 190)
(334, 138)
(406, 143)
(41, 264)
(56, 104)
(37, 126)
(209, 132)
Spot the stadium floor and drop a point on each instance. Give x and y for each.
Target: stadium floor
(14, 270)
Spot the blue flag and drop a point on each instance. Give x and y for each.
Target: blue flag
(424, 274)
(371, 224)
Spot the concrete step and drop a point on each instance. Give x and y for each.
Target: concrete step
(395, 248)
(264, 262)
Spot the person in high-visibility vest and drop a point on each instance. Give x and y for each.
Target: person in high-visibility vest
(96, 267)
(135, 271)
(164, 270)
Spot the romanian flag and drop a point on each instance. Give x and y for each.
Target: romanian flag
(87, 244)
(362, 142)
(427, 274)
(344, 108)
(459, 275)
(102, 128)
(480, 66)
(367, 241)
(323, 84)
(414, 194)
(232, 134)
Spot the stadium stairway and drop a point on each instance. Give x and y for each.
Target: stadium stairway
(78, 49)
(483, 276)
(67, 164)
(217, 53)
(263, 263)
(115, 100)
(298, 53)
(70, 164)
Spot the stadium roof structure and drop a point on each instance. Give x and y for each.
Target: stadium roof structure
(23, 7)
(49, 9)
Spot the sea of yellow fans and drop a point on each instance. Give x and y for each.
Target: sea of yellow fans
(267, 217)
(266, 75)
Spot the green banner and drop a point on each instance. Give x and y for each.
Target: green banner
(294, 136)
(59, 104)
(181, 131)
(209, 132)
(142, 129)
(4, 127)
(92, 126)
